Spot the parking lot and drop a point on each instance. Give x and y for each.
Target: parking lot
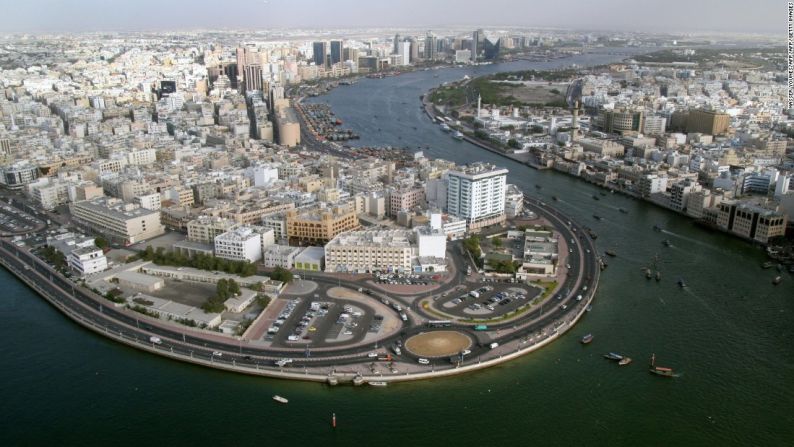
(320, 321)
(14, 221)
(487, 301)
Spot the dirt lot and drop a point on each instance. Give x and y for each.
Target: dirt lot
(438, 343)
(188, 293)
(532, 92)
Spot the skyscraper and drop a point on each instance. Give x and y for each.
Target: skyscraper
(319, 50)
(253, 77)
(431, 46)
(336, 51)
(396, 44)
(477, 193)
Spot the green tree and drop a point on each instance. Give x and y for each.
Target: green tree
(513, 143)
(281, 274)
(497, 242)
(101, 243)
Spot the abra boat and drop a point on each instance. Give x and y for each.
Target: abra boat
(610, 253)
(766, 265)
(667, 243)
(659, 370)
(597, 217)
(681, 283)
(587, 339)
(280, 399)
(777, 280)
(623, 210)
(613, 356)
(624, 361)
(595, 197)
(554, 198)
(377, 383)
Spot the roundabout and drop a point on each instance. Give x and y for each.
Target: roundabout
(438, 343)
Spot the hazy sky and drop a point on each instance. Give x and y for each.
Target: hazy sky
(766, 16)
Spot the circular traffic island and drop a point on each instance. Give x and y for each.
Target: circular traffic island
(438, 343)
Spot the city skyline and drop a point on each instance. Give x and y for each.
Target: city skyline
(45, 16)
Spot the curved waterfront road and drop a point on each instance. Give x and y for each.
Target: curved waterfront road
(96, 313)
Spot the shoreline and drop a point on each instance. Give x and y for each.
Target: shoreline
(511, 345)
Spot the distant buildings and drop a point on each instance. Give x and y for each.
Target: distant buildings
(708, 122)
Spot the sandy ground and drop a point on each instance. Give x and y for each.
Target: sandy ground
(438, 343)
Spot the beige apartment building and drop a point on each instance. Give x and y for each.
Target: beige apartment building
(318, 226)
(118, 221)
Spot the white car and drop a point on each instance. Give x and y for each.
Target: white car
(423, 361)
(372, 355)
(465, 352)
(217, 354)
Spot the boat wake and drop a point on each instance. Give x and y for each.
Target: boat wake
(693, 240)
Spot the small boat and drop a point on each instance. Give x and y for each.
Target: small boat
(777, 280)
(377, 383)
(554, 198)
(587, 339)
(658, 276)
(595, 197)
(681, 283)
(623, 210)
(667, 243)
(659, 370)
(588, 308)
(280, 399)
(592, 234)
(597, 217)
(538, 186)
(767, 265)
(656, 227)
(648, 273)
(610, 253)
(624, 361)
(613, 356)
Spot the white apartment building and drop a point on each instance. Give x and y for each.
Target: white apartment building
(141, 157)
(280, 256)
(205, 229)
(87, 260)
(239, 244)
(148, 201)
(51, 195)
(476, 193)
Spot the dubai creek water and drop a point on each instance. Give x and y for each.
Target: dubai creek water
(728, 335)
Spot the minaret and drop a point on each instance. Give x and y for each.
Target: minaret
(574, 123)
(479, 104)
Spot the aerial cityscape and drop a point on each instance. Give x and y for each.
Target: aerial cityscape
(342, 224)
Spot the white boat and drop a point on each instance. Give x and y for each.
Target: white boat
(445, 127)
(280, 399)
(378, 383)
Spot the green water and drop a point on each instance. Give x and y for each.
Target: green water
(728, 336)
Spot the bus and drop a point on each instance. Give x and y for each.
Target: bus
(481, 327)
(439, 323)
